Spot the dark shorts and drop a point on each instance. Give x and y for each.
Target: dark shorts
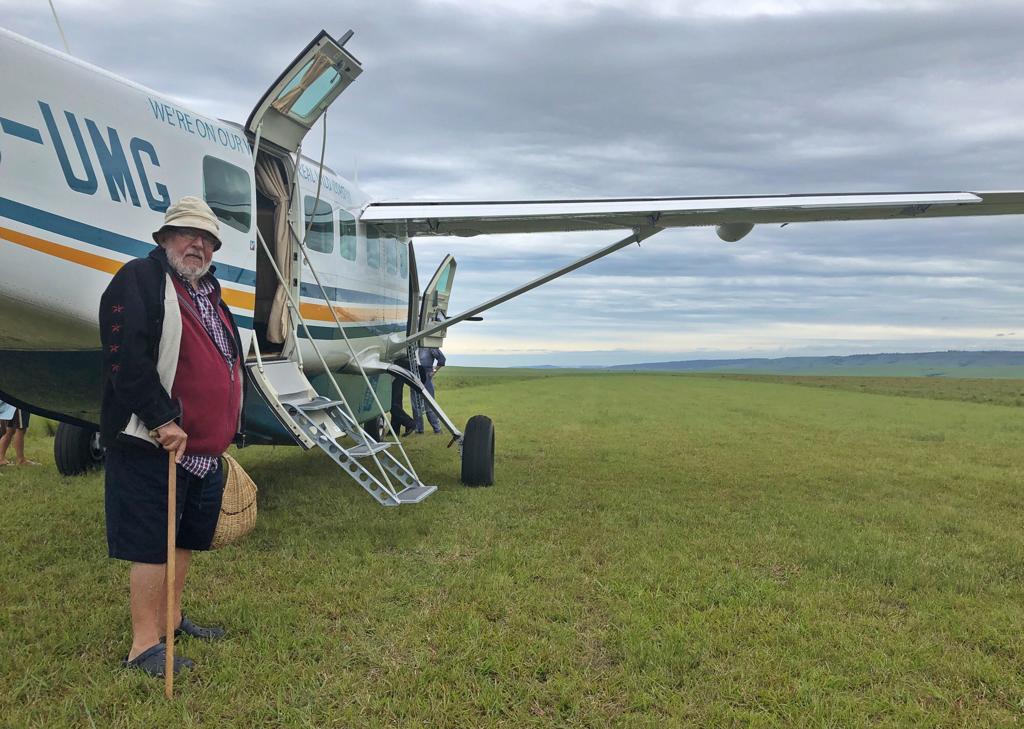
(136, 505)
(19, 421)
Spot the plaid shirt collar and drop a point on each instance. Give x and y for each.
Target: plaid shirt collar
(204, 286)
(200, 295)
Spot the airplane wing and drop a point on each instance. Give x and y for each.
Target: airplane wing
(735, 215)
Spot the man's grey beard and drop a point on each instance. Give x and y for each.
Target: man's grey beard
(191, 271)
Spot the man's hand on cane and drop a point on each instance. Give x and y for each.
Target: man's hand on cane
(173, 439)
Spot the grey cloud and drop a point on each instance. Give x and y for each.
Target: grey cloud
(462, 102)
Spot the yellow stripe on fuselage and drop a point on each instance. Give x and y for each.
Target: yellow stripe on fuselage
(233, 297)
(91, 260)
(321, 313)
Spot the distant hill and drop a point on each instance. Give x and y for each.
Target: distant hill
(922, 364)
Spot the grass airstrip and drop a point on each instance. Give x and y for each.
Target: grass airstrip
(659, 550)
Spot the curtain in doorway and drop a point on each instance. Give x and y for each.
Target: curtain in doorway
(271, 182)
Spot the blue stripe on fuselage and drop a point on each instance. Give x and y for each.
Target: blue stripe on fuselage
(22, 131)
(92, 235)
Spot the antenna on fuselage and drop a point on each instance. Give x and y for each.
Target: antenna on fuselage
(60, 30)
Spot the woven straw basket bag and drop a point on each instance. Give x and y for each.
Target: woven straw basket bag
(237, 507)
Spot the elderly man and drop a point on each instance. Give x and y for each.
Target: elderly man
(172, 384)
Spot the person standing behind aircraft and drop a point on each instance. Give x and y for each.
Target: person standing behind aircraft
(431, 360)
(400, 418)
(172, 384)
(14, 424)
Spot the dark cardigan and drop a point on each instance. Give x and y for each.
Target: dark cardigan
(131, 321)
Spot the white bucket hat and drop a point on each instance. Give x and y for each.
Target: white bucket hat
(191, 212)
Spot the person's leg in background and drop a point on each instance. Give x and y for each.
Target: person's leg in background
(20, 427)
(435, 422)
(6, 434)
(399, 418)
(419, 404)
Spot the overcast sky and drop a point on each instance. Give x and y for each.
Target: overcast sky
(528, 99)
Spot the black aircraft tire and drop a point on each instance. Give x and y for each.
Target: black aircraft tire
(478, 452)
(75, 451)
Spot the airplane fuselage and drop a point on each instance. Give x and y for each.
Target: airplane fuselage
(88, 164)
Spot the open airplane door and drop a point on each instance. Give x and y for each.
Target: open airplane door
(280, 121)
(435, 301)
(283, 117)
(303, 92)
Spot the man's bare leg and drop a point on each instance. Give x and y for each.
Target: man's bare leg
(147, 596)
(148, 600)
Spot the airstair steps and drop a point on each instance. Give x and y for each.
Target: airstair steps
(368, 449)
(320, 403)
(319, 422)
(415, 494)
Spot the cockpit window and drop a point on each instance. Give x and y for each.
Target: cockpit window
(227, 189)
(443, 281)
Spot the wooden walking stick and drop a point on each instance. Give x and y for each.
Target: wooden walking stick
(172, 490)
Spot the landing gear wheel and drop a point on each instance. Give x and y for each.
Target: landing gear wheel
(375, 428)
(76, 450)
(478, 452)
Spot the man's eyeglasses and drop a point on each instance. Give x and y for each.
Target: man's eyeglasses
(190, 234)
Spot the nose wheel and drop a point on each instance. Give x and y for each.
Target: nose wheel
(478, 452)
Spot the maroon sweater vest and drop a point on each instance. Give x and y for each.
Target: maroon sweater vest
(209, 391)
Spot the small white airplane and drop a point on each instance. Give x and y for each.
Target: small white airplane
(321, 279)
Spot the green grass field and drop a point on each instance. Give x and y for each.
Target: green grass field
(989, 390)
(658, 550)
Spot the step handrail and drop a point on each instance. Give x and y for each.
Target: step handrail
(295, 311)
(337, 319)
(327, 370)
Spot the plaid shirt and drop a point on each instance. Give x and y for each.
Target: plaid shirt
(201, 466)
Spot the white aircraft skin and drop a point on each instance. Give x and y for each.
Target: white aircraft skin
(89, 162)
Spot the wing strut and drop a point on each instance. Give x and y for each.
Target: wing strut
(637, 235)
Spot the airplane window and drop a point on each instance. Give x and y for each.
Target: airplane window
(305, 93)
(347, 228)
(321, 234)
(403, 260)
(392, 254)
(372, 246)
(228, 191)
(442, 281)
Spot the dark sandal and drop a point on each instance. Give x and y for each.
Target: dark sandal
(187, 627)
(153, 660)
